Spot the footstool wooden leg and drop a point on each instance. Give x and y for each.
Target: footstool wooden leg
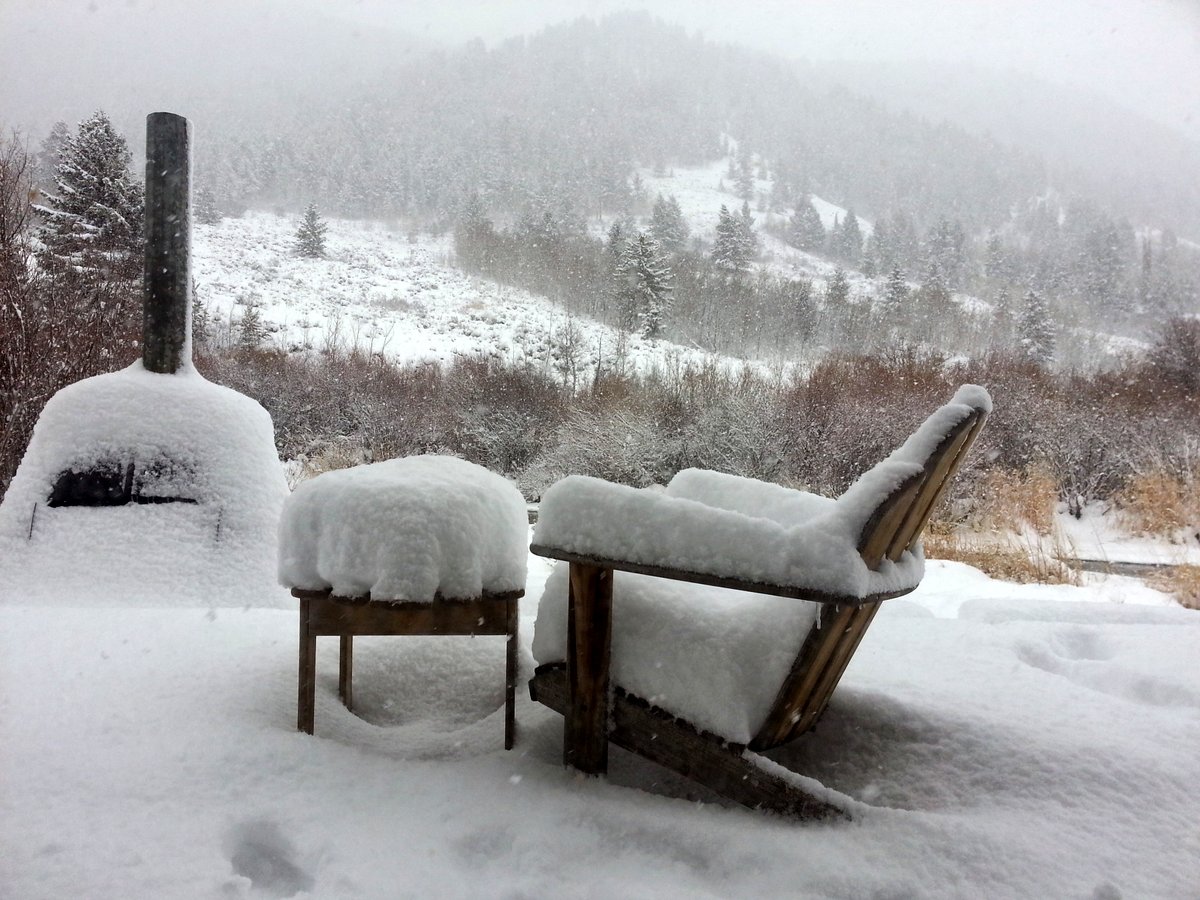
(308, 672)
(510, 676)
(346, 670)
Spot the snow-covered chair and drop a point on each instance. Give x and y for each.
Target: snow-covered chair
(420, 545)
(713, 653)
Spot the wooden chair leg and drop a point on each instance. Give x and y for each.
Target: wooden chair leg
(306, 706)
(510, 677)
(589, 645)
(346, 670)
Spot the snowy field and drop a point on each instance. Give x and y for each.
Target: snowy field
(384, 294)
(993, 741)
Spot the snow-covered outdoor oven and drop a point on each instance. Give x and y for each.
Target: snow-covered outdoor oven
(151, 480)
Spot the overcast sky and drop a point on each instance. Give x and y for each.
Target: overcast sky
(1143, 53)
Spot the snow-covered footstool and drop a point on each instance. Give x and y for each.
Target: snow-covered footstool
(421, 545)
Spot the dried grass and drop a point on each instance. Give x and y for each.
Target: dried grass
(1182, 582)
(1160, 504)
(1005, 556)
(1009, 501)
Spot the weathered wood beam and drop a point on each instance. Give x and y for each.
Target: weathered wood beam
(589, 646)
(728, 769)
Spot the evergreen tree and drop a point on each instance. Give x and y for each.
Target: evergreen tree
(645, 293)
(744, 183)
(805, 229)
(747, 234)
(847, 240)
(1035, 331)
(945, 247)
(93, 221)
(310, 236)
(50, 155)
(475, 237)
(729, 253)
(934, 294)
(667, 225)
(251, 328)
(837, 289)
(615, 242)
(895, 292)
(206, 211)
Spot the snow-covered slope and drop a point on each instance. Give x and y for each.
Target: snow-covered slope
(381, 291)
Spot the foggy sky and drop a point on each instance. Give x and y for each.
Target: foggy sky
(1145, 54)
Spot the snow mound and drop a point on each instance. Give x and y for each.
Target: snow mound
(169, 436)
(405, 529)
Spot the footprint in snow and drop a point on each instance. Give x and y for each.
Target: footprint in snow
(1082, 656)
(259, 851)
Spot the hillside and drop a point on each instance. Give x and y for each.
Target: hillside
(382, 291)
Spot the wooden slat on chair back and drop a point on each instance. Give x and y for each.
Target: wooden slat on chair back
(897, 523)
(894, 526)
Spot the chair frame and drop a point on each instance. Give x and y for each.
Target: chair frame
(323, 613)
(594, 713)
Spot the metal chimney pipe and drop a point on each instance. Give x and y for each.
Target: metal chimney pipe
(166, 296)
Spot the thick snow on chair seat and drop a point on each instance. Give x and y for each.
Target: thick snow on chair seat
(405, 529)
(715, 657)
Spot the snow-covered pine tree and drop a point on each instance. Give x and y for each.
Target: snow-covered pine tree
(747, 234)
(310, 236)
(744, 181)
(847, 241)
(93, 220)
(729, 251)
(895, 292)
(667, 225)
(645, 278)
(206, 211)
(1035, 330)
(837, 290)
(805, 228)
(50, 154)
(251, 329)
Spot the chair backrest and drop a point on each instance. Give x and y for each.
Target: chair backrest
(897, 523)
(893, 526)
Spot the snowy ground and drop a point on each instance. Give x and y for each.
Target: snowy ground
(997, 741)
(378, 290)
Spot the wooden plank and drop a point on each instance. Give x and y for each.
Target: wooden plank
(818, 647)
(589, 645)
(346, 670)
(307, 701)
(510, 676)
(940, 469)
(831, 674)
(737, 584)
(883, 524)
(333, 615)
(725, 768)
